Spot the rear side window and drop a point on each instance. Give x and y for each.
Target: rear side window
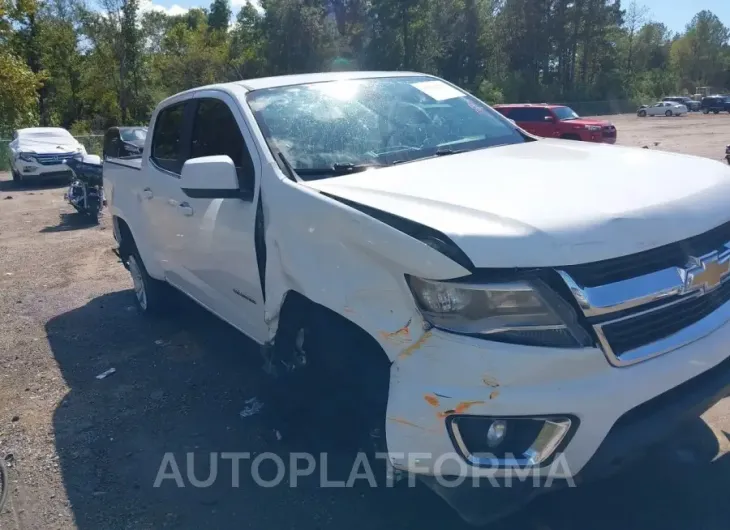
(529, 114)
(167, 145)
(216, 132)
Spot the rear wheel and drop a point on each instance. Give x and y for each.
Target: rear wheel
(716, 111)
(668, 113)
(574, 137)
(150, 295)
(705, 111)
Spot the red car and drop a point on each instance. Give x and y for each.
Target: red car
(558, 121)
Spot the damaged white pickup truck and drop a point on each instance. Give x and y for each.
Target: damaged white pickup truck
(470, 289)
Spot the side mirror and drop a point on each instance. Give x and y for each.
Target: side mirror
(549, 119)
(210, 177)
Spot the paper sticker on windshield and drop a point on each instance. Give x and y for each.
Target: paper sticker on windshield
(438, 90)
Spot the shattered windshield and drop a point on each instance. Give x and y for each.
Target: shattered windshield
(330, 128)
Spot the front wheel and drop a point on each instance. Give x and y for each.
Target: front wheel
(705, 111)
(668, 113)
(17, 177)
(642, 114)
(716, 111)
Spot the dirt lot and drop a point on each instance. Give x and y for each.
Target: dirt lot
(84, 453)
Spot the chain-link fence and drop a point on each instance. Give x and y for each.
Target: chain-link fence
(92, 142)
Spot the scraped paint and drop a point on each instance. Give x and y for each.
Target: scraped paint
(415, 346)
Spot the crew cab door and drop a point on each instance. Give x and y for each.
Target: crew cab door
(218, 264)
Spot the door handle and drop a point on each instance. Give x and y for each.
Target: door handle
(186, 209)
(147, 193)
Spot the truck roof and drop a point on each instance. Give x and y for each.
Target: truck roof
(291, 80)
(522, 105)
(300, 79)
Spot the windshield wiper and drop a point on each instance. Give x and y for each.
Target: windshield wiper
(337, 170)
(445, 152)
(439, 152)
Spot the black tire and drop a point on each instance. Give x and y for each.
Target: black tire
(668, 113)
(342, 371)
(17, 177)
(642, 114)
(573, 137)
(705, 111)
(151, 296)
(716, 111)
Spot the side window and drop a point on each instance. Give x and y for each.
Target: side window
(531, 114)
(216, 132)
(167, 146)
(518, 114)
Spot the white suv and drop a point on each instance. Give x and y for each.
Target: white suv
(498, 303)
(38, 153)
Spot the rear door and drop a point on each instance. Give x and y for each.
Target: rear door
(218, 262)
(532, 119)
(162, 194)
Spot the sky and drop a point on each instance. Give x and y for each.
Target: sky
(676, 14)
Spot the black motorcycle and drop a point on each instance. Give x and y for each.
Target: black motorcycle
(86, 191)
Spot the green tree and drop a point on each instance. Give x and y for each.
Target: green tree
(219, 15)
(18, 93)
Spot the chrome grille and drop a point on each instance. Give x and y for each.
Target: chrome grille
(656, 259)
(638, 318)
(52, 159)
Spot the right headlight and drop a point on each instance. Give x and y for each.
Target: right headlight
(519, 312)
(27, 157)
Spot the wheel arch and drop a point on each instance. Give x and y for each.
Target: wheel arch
(125, 237)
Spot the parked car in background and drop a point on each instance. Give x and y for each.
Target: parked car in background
(715, 104)
(483, 300)
(691, 104)
(662, 108)
(38, 153)
(124, 142)
(558, 121)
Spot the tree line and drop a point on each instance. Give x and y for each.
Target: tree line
(86, 67)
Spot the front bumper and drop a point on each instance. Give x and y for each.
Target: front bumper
(34, 170)
(440, 374)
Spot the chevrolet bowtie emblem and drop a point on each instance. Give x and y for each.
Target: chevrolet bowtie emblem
(707, 272)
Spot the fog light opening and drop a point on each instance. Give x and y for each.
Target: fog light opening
(508, 442)
(496, 433)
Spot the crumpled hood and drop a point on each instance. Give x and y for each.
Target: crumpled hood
(550, 202)
(48, 145)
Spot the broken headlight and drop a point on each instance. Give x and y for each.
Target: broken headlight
(519, 312)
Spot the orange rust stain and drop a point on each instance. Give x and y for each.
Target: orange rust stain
(415, 346)
(460, 408)
(403, 332)
(406, 422)
(431, 400)
(494, 394)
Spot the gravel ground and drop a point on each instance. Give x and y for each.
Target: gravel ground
(84, 452)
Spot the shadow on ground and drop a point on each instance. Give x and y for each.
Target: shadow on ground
(10, 185)
(179, 387)
(71, 221)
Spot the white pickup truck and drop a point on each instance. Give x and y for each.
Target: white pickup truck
(494, 301)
